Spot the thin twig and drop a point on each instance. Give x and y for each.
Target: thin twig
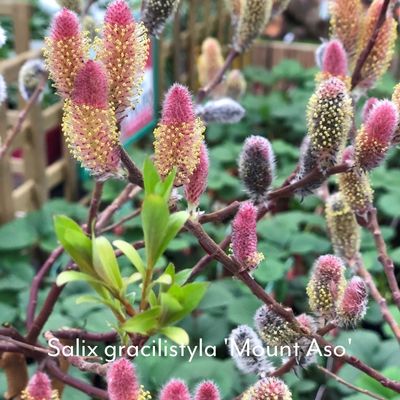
(22, 117)
(84, 387)
(387, 316)
(94, 206)
(205, 91)
(37, 281)
(134, 174)
(357, 73)
(348, 384)
(127, 218)
(384, 259)
(79, 362)
(72, 334)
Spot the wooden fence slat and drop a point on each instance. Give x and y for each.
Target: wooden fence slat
(6, 201)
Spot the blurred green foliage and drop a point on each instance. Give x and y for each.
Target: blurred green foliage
(291, 241)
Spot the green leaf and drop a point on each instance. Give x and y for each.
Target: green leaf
(164, 279)
(155, 216)
(144, 322)
(17, 234)
(176, 334)
(175, 224)
(73, 276)
(182, 276)
(170, 307)
(150, 176)
(136, 277)
(75, 242)
(132, 254)
(105, 262)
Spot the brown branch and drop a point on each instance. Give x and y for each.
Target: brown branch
(84, 387)
(221, 215)
(94, 206)
(314, 175)
(37, 281)
(73, 334)
(348, 384)
(384, 259)
(127, 194)
(22, 117)
(357, 73)
(205, 91)
(48, 306)
(79, 362)
(387, 316)
(134, 174)
(235, 268)
(127, 218)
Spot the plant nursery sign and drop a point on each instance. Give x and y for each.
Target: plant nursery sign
(143, 118)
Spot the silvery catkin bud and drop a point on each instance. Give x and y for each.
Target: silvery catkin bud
(329, 117)
(353, 305)
(326, 285)
(236, 9)
(355, 186)
(257, 167)
(235, 84)
(273, 329)
(252, 21)
(307, 163)
(247, 351)
(375, 137)
(221, 111)
(156, 14)
(268, 389)
(308, 323)
(343, 228)
(29, 78)
(3, 90)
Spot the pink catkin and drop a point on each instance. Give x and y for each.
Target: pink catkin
(178, 106)
(198, 180)
(329, 268)
(354, 302)
(179, 136)
(175, 389)
(122, 381)
(91, 86)
(244, 235)
(65, 25)
(65, 51)
(368, 106)
(39, 387)
(124, 53)
(118, 12)
(90, 125)
(334, 61)
(207, 390)
(375, 137)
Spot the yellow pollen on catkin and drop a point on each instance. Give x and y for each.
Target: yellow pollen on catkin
(343, 227)
(178, 147)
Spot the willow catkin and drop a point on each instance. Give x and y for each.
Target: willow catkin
(378, 60)
(346, 25)
(343, 228)
(254, 16)
(329, 118)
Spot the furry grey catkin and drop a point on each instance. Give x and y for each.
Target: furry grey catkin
(156, 13)
(222, 111)
(257, 167)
